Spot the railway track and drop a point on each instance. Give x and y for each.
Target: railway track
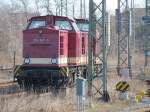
(5, 84)
(9, 87)
(144, 109)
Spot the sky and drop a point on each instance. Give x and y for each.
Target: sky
(111, 4)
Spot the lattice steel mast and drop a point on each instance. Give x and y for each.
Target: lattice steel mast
(97, 23)
(82, 9)
(147, 7)
(146, 38)
(123, 31)
(63, 9)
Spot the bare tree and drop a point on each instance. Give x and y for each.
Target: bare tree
(71, 7)
(37, 6)
(25, 7)
(62, 7)
(58, 7)
(46, 4)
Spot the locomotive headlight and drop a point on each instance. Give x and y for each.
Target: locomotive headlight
(27, 60)
(54, 61)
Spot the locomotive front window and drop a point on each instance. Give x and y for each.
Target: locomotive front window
(37, 24)
(63, 25)
(83, 27)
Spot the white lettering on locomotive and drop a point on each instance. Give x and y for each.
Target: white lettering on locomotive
(40, 40)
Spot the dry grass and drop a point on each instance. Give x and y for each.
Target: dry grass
(116, 106)
(47, 103)
(35, 103)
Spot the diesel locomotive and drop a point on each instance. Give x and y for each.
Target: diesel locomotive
(55, 50)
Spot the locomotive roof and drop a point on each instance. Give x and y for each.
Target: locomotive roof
(55, 17)
(78, 20)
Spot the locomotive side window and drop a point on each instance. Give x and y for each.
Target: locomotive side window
(37, 24)
(83, 27)
(83, 45)
(61, 45)
(63, 25)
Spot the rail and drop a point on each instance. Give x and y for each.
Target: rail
(145, 109)
(5, 84)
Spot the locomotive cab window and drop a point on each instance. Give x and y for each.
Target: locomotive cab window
(63, 25)
(37, 24)
(83, 27)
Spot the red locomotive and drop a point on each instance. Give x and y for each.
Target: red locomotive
(54, 50)
(83, 25)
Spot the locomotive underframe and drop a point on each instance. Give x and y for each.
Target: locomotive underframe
(38, 78)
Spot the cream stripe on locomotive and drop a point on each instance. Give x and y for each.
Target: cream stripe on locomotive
(48, 61)
(82, 59)
(65, 60)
